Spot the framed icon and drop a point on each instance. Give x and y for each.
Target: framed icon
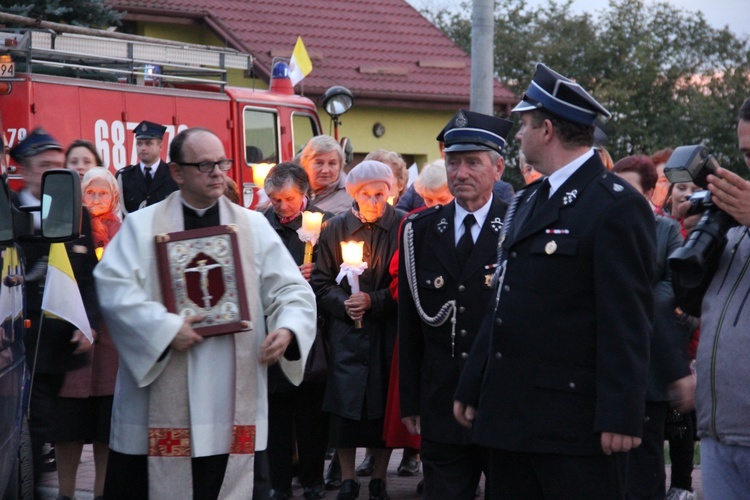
(200, 271)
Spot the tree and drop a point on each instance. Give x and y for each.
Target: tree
(87, 13)
(668, 78)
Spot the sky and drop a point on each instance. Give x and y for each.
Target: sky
(732, 13)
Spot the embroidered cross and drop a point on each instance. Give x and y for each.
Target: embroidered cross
(169, 442)
(243, 440)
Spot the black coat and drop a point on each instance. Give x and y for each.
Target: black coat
(360, 359)
(55, 352)
(429, 366)
(277, 381)
(565, 356)
(134, 191)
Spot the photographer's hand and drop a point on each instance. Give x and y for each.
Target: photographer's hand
(731, 193)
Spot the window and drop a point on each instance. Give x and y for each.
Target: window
(261, 136)
(304, 129)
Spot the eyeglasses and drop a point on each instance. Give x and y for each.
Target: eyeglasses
(207, 167)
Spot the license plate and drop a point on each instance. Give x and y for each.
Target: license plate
(7, 69)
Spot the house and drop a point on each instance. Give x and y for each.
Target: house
(407, 77)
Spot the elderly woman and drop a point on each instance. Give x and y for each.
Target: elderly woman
(432, 184)
(323, 160)
(668, 368)
(398, 166)
(84, 403)
(293, 412)
(360, 357)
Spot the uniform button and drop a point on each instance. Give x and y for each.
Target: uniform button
(498, 355)
(498, 321)
(513, 255)
(464, 355)
(572, 385)
(464, 333)
(461, 288)
(429, 282)
(506, 288)
(461, 309)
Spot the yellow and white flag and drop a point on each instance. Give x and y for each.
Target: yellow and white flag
(61, 295)
(300, 66)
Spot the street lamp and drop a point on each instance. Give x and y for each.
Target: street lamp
(337, 100)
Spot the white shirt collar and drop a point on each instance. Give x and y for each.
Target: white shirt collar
(559, 177)
(480, 215)
(153, 166)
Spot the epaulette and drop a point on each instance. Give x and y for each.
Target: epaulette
(614, 184)
(423, 213)
(124, 170)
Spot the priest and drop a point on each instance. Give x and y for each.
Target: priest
(190, 413)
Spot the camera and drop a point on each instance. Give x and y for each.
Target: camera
(689, 262)
(700, 201)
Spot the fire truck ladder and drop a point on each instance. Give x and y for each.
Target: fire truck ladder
(130, 61)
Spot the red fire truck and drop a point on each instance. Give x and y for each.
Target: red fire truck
(99, 85)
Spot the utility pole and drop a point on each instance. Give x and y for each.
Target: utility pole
(482, 55)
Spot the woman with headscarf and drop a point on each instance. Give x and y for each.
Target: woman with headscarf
(361, 326)
(84, 403)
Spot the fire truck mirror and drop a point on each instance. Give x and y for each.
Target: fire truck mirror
(61, 205)
(6, 214)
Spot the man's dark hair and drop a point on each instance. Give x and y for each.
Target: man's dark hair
(175, 149)
(286, 173)
(569, 132)
(745, 111)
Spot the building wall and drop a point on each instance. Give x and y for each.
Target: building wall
(409, 132)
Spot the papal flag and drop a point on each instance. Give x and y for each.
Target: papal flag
(300, 66)
(62, 298)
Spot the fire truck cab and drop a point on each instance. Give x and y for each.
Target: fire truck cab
(99, 88)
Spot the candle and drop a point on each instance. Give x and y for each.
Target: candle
(311, 221)
(309, 232)
(352, 254)
(391, 199)
(260, 171)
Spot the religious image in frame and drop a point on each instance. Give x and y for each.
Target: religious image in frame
(201, 273)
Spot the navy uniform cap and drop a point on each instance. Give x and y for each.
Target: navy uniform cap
(36, 142)
(472, 131)
(149, 130)
(560, 96)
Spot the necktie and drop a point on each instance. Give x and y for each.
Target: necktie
(148, 176)
(466, 243)
(542, 195)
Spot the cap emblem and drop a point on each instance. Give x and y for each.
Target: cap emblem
(461, 120)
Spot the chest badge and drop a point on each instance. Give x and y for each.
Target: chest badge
(439, 282)
(497, 224)
(570, 197)
(550, 247)
(442, 225)
(488, 279)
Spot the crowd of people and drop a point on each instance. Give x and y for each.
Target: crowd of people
(540, 339)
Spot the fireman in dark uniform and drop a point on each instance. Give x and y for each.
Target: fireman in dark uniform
(555, 386)
(149, 181)
(447, 259)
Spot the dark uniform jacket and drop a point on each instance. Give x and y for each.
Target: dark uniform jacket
(360, 359)
(429, 365)
(277, 381)
(565, 356)
(134, 193)
(55, 352)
